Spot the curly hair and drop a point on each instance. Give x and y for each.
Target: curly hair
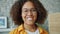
(16, 11)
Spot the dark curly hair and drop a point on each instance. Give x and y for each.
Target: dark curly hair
(16, 11)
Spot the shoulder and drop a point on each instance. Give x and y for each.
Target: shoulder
(17, 30)
(42, 31)
(13, 31)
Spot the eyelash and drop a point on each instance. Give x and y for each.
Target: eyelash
(33, 10)
(30, 10)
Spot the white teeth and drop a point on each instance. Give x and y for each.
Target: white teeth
(29, 19)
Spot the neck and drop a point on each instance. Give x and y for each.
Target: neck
(31, 28)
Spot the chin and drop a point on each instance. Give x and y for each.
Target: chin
(29, 23)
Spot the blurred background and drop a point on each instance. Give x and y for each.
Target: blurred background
(52, 6)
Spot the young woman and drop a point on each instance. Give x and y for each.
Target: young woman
(26, 13)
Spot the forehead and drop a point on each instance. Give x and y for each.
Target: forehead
(28, 4)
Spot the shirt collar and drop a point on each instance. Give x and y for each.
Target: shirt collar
(40, 29)
(21, 28)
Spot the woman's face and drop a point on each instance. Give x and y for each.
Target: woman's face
(29, 13)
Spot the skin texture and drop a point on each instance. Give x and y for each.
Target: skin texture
(29, 13)
(29, 16)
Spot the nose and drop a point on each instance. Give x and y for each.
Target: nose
(29, 13)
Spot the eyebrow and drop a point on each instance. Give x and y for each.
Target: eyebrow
(26, 8)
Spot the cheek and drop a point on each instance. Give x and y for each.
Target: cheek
(35, 16)
(23, 16)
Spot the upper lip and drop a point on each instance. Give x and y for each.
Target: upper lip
(29, 16)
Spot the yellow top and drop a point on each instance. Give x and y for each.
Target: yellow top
(20, 30)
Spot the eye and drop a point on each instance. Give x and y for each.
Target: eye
(24, 10)
(34, 10)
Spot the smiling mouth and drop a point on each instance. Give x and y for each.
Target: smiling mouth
(29, 19)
